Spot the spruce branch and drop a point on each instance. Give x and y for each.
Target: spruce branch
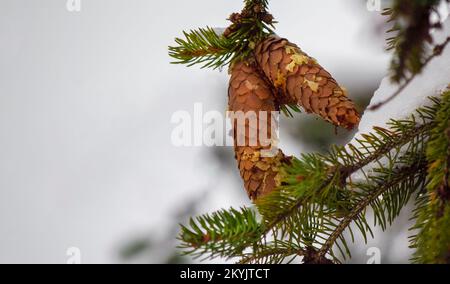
(405, 179)
(308, 216)
(324, 224)
(203, 46)
(437, 51)
(208, 48)
(314, 173)
(223, 233)
(320, 201)
(412, 25)
(276, 252)
(256, 4)
(432, 240)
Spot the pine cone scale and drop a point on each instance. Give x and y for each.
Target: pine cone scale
(301, 79)
(248, 92)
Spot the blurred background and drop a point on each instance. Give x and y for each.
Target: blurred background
(86, 98)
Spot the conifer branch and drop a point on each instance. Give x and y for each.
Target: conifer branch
(210, 49)
(322, 197)
(437, 51)
(414, 171)
(203, 46)
(342, 162)
(432, 240)
(412, 25)
(274, 254)
(220, 234)
(318, 200)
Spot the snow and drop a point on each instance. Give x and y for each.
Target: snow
(434, 79)
(86, 99)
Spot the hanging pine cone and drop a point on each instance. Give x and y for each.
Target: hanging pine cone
(248, 92)
(279, 74)
(299, 78)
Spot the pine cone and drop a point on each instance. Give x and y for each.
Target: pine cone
(300, 79)
(249, 92)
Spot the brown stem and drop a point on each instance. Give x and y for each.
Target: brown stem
(278, 251)
(350, 170)
(416, 168)
(438, 49)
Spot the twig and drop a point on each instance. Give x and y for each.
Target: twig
(437, 50)
(350, 170)
(274, 252)
(416, 168)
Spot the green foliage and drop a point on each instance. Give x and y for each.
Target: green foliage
(210, 49)
(205, 47)
(319, 200)
(433, 214)
(438, 147)
(220, 234)
(411, 43)
(432, 243)
(288, 110)
(324, 199)
(252, 3)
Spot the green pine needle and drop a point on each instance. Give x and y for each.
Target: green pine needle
(205, 47)
(320, 208)
(432, 240)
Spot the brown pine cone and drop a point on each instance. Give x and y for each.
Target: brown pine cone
(247, 93)
(301, 79)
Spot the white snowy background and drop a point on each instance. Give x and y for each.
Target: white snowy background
(85, 104)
